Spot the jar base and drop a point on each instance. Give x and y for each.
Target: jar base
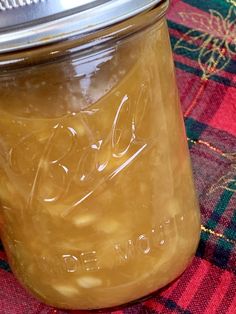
(125, 305)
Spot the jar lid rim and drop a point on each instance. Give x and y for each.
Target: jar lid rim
(31, 23)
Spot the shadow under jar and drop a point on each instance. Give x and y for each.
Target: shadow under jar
(98, 206)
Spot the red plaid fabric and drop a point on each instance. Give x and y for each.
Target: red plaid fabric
(203, 37)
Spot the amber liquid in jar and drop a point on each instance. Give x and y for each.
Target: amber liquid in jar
(97, 201)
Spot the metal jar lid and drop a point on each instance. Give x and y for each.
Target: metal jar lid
(30, 23)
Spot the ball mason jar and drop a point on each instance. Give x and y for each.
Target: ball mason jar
(98, 206)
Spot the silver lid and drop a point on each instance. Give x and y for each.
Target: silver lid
(29, 23)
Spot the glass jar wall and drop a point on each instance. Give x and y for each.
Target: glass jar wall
(98, 206)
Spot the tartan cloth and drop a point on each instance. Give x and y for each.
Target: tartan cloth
(203, 37)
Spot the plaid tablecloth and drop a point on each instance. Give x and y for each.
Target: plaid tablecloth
(203, 37)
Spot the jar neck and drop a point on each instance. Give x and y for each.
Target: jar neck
(82, 44)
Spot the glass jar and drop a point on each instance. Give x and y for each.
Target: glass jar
(98, 206)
